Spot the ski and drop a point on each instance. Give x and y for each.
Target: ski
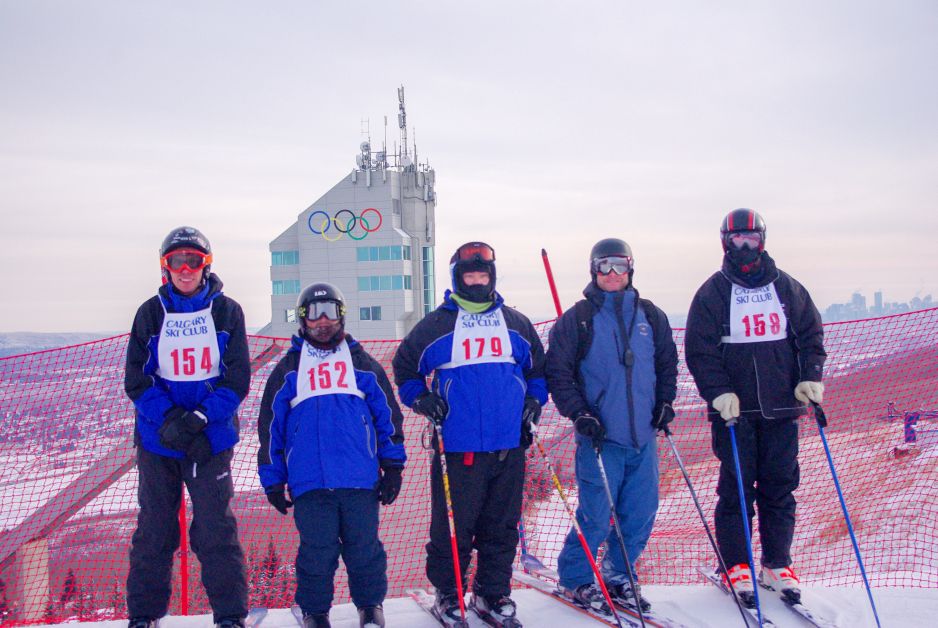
(799, 607)
(533, 565)
(717, 581)
(426, 601)
(541, 586)
(255, 617)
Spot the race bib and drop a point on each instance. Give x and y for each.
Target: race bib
(756, 315)
(325, 372)
(480, 338)
(188, 346)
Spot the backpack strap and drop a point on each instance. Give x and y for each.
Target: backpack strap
(583, 313)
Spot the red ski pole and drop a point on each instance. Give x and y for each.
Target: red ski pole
(550, 280)
(452, 523)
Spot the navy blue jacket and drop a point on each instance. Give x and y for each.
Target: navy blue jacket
(485, 400)
(218, 398)
(762, 374)
(586, 370)
(330, 441)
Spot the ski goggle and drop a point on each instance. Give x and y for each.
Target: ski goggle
(186, 258)
(314, 310)
(606, 265)
(740, 240)
(475, 252)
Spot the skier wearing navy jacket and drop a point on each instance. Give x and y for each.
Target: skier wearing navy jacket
(755, 346)
(331, 436)
(188, 370)
(487, 365)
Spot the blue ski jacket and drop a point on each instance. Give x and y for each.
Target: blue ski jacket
(485, 400)
(330, 441)
(217, 398)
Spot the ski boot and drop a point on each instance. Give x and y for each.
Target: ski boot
(623, 595)
(319, 620)
(446, 610)
(371, 617)
(495, 611)
(589, 596)
(741, 579)
(784, 581)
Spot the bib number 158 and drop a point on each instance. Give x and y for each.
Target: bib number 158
(755, 325)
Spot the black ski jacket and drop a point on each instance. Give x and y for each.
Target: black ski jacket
(762, 374)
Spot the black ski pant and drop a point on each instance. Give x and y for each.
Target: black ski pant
(486, 507)
(213, 532)
(768, 459)
(333, 522)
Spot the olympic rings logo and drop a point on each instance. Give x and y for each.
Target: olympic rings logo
(345, 222)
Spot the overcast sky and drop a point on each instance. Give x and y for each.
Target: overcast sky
(549, 124)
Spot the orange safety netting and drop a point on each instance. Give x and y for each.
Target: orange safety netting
(69, 485)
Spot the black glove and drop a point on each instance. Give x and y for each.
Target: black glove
(529, 418)
(278, 498)
(589, 426)
(199, 450)
(432, 406)
(663, 416)
(390, 484)
(180, 428)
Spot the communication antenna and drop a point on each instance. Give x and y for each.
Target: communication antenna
(402, 121)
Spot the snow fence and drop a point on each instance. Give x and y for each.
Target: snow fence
(69, 506)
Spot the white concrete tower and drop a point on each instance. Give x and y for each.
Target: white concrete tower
(372, 235)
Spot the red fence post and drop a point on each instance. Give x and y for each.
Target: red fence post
(183, 559)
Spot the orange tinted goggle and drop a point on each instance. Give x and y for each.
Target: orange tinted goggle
(186, 258)
(475, 252)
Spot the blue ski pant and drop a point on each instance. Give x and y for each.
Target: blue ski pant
(333, 523)
(633, 481)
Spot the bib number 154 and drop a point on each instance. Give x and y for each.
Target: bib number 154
(184, 361)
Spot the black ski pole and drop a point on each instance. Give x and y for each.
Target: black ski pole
(615, 523)
(703, 519)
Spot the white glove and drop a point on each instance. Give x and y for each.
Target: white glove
(809, 391)
(727, 405)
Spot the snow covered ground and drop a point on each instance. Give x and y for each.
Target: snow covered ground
(695, 606)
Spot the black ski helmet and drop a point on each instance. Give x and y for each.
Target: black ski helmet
(610, 247)
(319, 292)
(742, 220)
(473, 256)
(186, 238)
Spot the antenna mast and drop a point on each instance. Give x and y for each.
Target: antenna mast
(402, 121)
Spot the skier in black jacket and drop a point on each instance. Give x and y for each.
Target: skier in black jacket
(612, 369)
(188, 370)
(754, 345)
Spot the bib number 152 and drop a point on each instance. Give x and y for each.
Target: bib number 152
(755, 325)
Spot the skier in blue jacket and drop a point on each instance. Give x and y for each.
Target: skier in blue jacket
(331, 435)
(612, 369)
(488, 387)
(188, 370)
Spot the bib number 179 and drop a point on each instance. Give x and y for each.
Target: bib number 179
(475, 347)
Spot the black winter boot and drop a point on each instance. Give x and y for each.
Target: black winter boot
(371, 617)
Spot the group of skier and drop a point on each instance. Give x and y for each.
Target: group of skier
(332, 447)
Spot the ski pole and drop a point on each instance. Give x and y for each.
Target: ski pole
(821, 420)
(615, 523)
(452, 522)
(579, 531)
(703, 519)
(744, 511)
